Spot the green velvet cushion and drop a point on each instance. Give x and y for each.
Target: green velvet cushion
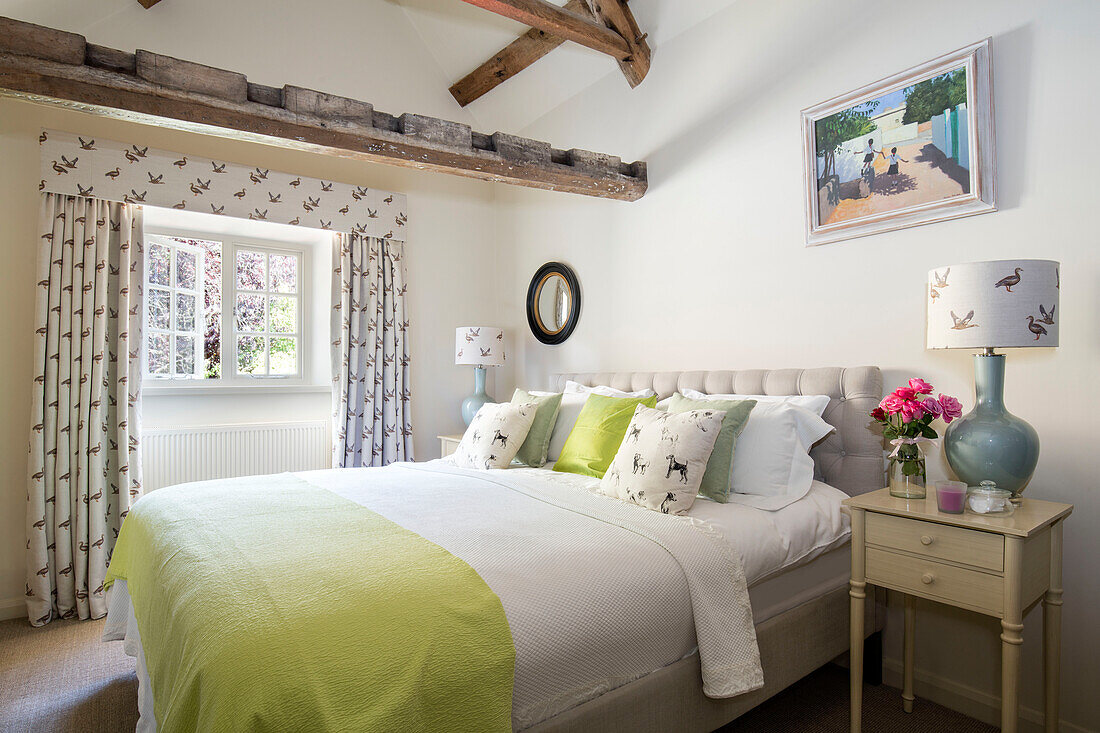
(533, 451)
(597, 434)
(716, 479)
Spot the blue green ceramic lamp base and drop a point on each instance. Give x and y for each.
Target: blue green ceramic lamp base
(473, 403)
(990, 443)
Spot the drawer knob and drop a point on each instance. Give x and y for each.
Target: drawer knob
(927, 539)
(927, 579)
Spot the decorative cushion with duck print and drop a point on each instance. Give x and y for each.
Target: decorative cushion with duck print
(662, 459)
(495, 435)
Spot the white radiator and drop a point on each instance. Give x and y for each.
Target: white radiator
(178, 455)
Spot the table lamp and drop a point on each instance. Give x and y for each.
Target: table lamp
(988, 305)
(481, 346)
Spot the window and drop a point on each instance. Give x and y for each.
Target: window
(173, 316)
(267, 312)
(223, 312)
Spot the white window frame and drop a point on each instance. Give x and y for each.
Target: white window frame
(230, 380)
(172, 332)
(229, 285)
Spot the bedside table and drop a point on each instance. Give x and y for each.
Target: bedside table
(448, 444)
(997, 566)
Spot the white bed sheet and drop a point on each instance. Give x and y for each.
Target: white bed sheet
(561, 662)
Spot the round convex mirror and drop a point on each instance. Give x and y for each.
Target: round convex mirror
(553, 303)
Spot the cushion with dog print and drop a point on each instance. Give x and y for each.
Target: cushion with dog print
(663, 457)
(495, 435)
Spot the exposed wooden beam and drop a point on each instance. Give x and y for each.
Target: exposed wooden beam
(617, 16)
(558, 21)
(512, 59)
(536, 43)
(53, 67)
(148, 3)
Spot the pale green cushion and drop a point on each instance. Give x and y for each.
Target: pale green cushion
(597, 434)
(533, 451)
(716, 479)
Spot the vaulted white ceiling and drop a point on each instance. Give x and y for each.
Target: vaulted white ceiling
(400, 55)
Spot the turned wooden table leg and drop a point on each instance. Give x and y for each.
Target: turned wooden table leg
(1012, 638)
(907, 654)
(1052, 631)
(858, 592)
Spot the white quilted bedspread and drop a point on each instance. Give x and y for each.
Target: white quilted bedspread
(597, 592)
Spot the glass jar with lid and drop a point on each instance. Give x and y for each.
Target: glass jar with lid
(988, 500)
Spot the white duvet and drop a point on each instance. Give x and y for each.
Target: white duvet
(597, 592)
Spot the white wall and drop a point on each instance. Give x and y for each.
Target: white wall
(709, 269)
(450, 253)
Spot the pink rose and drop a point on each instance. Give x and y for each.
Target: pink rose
(920, 386)
(932, 406)
(952, 408)
(905, 393)
(911, 411)
(891, 404)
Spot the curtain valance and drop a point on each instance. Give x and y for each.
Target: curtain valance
(133, 173)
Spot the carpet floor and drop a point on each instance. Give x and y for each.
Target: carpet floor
(62, 679)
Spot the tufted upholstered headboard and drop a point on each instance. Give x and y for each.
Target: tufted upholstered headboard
(851, 458)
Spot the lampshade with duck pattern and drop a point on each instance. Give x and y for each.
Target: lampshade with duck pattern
(1000, 303)
(481, 346)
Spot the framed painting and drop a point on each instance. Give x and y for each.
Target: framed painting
(911, 149)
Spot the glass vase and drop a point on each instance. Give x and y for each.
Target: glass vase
(906, 473)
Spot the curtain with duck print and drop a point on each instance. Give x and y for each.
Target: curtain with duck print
(370, 353)
(85, 467)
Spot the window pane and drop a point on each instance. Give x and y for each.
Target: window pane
(212, 308)
(284, 355)
(186, 269)
(160, 264)
(185, 354)
(284, 274)
(250, 312)
(284, 314)
(251, 355)
(159, 355)
(185, 312)
(250, 270)
(160, 309)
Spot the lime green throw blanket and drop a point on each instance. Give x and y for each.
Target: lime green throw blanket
(274, 605)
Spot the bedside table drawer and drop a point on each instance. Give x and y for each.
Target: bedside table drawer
(956, 586)
(966, 546)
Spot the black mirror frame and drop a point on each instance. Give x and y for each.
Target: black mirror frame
(566, 272)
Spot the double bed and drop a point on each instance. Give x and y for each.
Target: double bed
(617, 620)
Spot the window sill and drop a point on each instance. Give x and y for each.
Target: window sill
(153, 389)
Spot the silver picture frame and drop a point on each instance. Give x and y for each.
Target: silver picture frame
(823, 192)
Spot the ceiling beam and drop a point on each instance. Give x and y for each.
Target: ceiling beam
(54, 67)
(558, 21)
(617, 16)
(537, 42)
(510, 60)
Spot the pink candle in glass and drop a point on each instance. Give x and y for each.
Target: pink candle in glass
(951, 496)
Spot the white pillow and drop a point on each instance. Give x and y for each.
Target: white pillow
(772, 462)
(772, 467)
(572, 387)
(495, 435)
(662, 459)
(568, 413)
(815, 403)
